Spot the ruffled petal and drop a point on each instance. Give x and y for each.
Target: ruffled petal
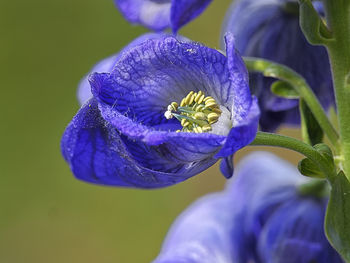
(183, 11)
(98, 154)
(107, 64)
(201, 234)
(154, 14)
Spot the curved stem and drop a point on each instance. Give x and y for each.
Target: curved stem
(275, 70)
(272, 139)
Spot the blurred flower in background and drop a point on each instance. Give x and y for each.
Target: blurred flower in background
(125, 135)
(270, 29)
(262, 216)
(161, 14)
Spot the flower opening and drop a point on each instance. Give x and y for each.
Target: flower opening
(196, 112)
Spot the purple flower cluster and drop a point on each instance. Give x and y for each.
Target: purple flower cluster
(166, 108)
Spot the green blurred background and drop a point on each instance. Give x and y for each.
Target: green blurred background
(46, 215)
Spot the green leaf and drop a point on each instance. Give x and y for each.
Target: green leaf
(283, 89)
(337, 223)
(326, 153)
(314, 29)
(310, 129)
(309, 168)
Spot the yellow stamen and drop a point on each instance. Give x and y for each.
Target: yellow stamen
(196, 112)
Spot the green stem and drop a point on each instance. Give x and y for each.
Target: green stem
(338, 19)
(272, 139)
(275, 70)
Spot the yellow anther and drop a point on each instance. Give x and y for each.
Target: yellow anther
(199, 116)
(189, 99)
(211, 104)
(217, 110)
(213, 117)
(196, 112)
(183, 102)
(207, 98)
(174, 105)
(199, 107)
(206, 128)
(200, 100)
(197, 96)
(209, 101)
(197, 129)
(184, 123)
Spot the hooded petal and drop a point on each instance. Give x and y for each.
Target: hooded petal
(107, 64)
(266, 29)
(201, 234)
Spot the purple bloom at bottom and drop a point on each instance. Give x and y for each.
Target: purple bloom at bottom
(167, 110)
(260, 217)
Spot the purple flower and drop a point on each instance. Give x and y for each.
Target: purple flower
(166, 111)
(260, 217)
(161, 14)
(270, 29)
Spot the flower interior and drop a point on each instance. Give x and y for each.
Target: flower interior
(196, 113)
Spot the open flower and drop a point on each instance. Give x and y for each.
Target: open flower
(124, 135)
(260, 217)
(270, 29)
(161, 14)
